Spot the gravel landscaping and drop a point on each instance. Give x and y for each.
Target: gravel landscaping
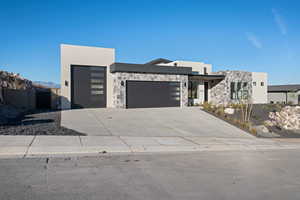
(260, 114)
(37, 123)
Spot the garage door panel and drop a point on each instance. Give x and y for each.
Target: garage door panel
(147, 94)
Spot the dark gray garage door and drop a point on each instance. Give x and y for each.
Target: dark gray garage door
(147, 94)
(88, 88)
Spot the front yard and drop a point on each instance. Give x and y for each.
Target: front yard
(259, 124)
(42, 122)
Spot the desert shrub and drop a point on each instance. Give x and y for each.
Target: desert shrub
(220, 111)
(253, 131)
(207, 106)
(235, 105)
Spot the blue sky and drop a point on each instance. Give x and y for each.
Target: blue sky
(236, 35)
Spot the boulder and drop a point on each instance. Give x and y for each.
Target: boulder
(263, 131)
(229, 111)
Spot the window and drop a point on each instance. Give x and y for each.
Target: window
(96, 81)
(238, 90)
(94, 74)
(192, 92)
(205, 70)
(262, 83)
(93, 92)
(96, 86)
(254, 83)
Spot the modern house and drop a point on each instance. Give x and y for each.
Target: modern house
(90, 78)
(284, 94)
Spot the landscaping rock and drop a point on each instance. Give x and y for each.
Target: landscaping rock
(288, 118)
(229, 111)
(263, 131)
(39, 123)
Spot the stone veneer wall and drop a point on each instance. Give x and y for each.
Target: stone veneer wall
(119, 92)
(220, 91)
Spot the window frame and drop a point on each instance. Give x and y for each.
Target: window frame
(239, 90)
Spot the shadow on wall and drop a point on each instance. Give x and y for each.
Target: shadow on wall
(22, 99)
(214, 83)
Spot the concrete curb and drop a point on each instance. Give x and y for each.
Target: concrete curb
(39, 146)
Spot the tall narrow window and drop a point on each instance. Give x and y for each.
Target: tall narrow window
(232, 90)
(205, 70)
(262, 83)
(193, 87)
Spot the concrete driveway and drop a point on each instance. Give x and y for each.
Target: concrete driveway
(149, 122)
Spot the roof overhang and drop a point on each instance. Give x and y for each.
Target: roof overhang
(151, 69)
(278, 91)
(206, 77)
(283, 88)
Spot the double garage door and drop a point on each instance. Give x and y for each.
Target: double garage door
(88, 90)
(149, 94)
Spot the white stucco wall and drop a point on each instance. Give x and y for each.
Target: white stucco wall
(283, 97)
(277, 97)
(83, 55)
(293, 97)
(196, 66)
(259, 92)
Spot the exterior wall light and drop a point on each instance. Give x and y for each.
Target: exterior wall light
(122, 83)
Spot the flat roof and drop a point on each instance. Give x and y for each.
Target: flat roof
(284, 88)
(206, 77)
(148, 68)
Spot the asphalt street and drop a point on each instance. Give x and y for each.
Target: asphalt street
(230, 175)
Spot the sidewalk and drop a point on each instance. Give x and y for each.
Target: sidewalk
(35, 146)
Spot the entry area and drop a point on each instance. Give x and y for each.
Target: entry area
(88, 89)
(150, 94)
(199, 87)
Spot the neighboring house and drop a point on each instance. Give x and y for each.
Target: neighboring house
(90, 78)
(284, 94)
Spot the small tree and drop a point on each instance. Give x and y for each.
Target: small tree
(246, 109)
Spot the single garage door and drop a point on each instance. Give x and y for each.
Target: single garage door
(88, 88)
(149, 94)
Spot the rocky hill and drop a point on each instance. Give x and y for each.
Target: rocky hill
(11, 81)
(14, 81)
